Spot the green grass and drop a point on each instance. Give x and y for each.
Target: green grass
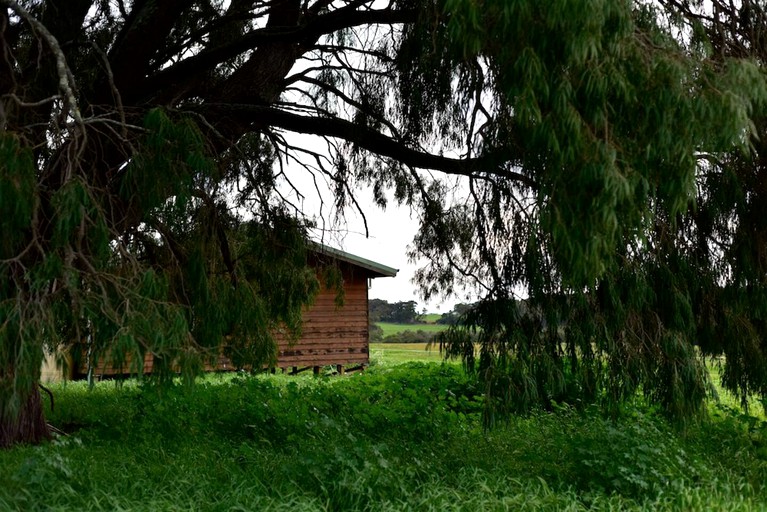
(431, 318)
(397, 437)
(728, 399)
(389, 328)
(403, 352)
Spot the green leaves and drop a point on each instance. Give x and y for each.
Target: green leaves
(606, 112)
(78, 224)
(171, 161)
(18, 193)
(640, 232)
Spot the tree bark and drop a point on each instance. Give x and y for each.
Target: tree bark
(28, 426)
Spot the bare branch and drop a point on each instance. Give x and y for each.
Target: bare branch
(66, 79)
(375, 142)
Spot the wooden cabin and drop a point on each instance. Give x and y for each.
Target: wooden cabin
(331, 335)
(335, 335)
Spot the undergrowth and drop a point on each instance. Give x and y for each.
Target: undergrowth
(403, 437)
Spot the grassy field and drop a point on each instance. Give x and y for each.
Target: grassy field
(389, 328)
(431, 318)
(402, 352)
(397, 437)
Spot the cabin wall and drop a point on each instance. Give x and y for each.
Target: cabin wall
(331, 335)
(50, 372)
(103, 369)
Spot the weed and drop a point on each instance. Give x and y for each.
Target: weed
(403, 437)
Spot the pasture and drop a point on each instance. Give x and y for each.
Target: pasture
(431, 318)
(403, 352)
(400, 436)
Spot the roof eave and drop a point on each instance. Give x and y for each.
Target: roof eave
(376, 269)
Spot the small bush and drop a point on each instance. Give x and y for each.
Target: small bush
(375, 333)
(640, 457)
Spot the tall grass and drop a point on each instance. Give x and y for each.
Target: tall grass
(404, 437)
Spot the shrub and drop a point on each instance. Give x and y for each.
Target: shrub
(410, 336)
(375, 333)
(640, 456)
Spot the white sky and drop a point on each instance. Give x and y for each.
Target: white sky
(391, 231)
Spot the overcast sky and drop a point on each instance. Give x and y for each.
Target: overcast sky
(391, 231)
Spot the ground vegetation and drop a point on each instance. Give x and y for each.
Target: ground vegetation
(603, 156)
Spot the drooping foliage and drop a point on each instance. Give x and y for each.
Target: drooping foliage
(190, 282)
(617, 123)
(599, 157)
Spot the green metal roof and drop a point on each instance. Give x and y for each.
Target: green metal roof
(376, 269)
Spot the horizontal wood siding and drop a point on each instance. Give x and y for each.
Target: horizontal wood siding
(331, 334)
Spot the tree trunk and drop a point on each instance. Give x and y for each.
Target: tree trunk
(26, 427)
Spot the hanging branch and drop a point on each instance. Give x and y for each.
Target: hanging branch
(66, 79)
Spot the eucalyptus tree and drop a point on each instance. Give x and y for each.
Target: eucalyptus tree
(143, 147)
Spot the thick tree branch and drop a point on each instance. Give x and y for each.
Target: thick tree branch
(144, 33)
(375, 142)
(259, 79)
(306, 35)
(66, 79)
